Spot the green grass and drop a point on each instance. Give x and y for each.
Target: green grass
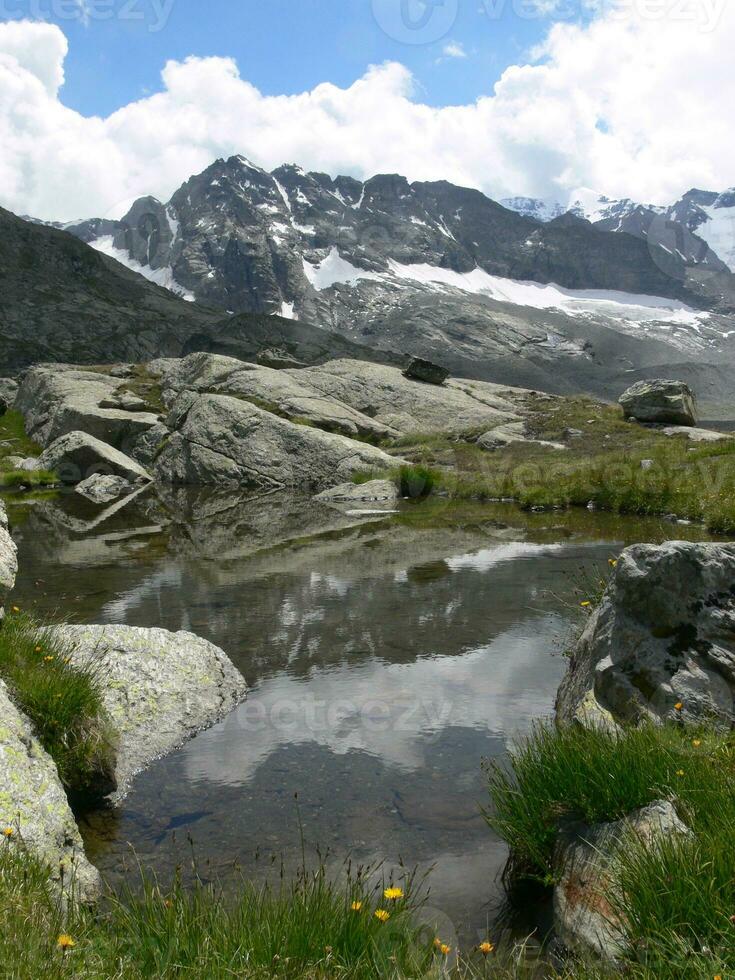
(304, 930)
(676, 900)
(602, 466)
(13, 438)
(13, 479)
(63, 702)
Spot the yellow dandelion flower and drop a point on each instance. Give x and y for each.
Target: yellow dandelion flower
(382, 915)
(48, 660)
(678, 706)
(696, 742)
(486, 948)
(39, 649)
(16, 609)
(438, 943)
(445, 950)
(356, 906)
(586, 604)
(393, 894)
(679, 772)
(8, 832)
(65, 942)
(612, 562)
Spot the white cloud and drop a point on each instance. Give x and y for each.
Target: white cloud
(632, 105)
(454, 49)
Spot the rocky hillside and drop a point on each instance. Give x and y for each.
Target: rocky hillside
(64, 301)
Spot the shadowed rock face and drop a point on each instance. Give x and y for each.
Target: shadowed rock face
(661, 638)
(667, 402)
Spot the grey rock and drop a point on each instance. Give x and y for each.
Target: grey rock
(695, 434)
(104, 489)
(33, 803)
(505, 435)
(293, 394)
(29, 464)
(14, 462)
(374, 491)
(671, 402)
(647, 464)
(276, 357)
(223, 441)
(56, 399)
(160, 688)
(78, 455)
(422, 370)
(584, 869)
(662, 636)
(8, 559)
(8, 391)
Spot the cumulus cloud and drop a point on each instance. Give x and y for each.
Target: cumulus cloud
(632, 104)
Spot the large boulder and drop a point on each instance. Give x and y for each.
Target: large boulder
(77, 455)
(56, 399)
(160, 688)
(8, 559)
(223, 441)
(33, 805)
(667, 402)
(661, 645)
(426, 371)
(584, 870)
(347, 396)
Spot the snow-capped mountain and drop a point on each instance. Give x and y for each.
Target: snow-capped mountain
(430, 269)
(700, 225)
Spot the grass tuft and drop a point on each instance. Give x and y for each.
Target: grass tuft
(675, 900)
(63, 702)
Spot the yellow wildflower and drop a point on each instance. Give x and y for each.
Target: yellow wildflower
(678, 706)
(438, 943)
(612, 562)
(16, 609)
(392, 894)
(48, 660)
(679, 772)
(39, 649)
(356, 906)
(65, 942)
(585, 604)
(696, 742)
(382, 915)
(486, 948)
(445, 950)
(8, 832)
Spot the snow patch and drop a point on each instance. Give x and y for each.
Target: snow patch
(334, 269)
(161, 277)
(575, 302)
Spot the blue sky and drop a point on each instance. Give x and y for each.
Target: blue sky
(289, 46)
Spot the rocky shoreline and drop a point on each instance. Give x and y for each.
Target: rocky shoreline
(159, 689)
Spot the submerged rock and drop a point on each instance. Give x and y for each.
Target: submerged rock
(78, 455)
(422, 370)
(8, 560)
(584, 869)
(669, 402)
(33, 805)
(661, 645)
(104, 489)
(374, 491)
(160, 688)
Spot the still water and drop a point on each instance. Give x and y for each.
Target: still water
(387, 657)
